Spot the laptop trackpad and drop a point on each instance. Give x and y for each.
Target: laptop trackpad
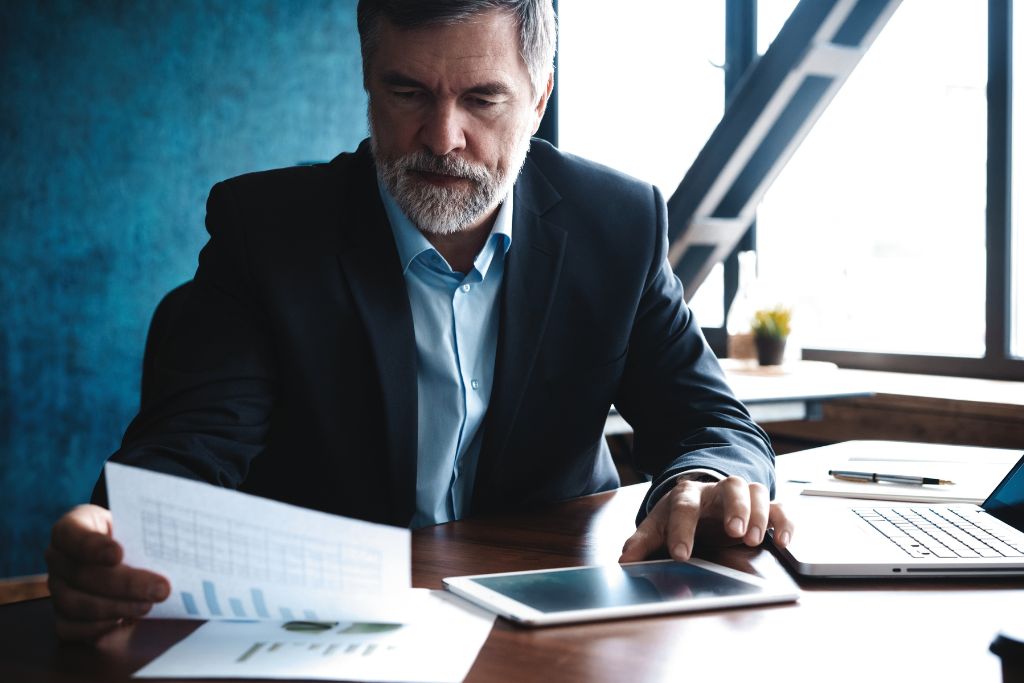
(839, 536)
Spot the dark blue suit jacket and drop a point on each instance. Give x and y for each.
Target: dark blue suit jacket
(290, 368)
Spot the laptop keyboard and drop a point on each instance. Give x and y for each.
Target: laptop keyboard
(941, 532)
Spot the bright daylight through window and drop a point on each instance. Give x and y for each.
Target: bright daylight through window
(1017, 194)
(646, 102)
(875, 231)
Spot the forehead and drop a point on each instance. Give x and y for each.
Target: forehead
(480, 49)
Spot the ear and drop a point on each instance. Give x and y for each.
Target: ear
(542, 101)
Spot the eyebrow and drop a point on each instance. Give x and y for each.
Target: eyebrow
(490, 89)
(395, 78)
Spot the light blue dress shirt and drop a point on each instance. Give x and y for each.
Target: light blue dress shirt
(455, 317)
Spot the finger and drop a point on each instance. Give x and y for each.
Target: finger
(119, 583)
(781, 523)
(74, 605)
(684, 514)
(647, 538)
(83, 534)
(757, 523)
(733, 495)
(58, 563)
(84, 630)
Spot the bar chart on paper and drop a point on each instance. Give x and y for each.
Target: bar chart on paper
(345, 640)
(439, 645)
(257, 652)
(246, 558)
(253, 606)
(233, 556)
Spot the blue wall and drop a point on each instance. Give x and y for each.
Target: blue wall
(115, 120)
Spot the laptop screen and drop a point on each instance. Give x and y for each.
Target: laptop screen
(1007, 500)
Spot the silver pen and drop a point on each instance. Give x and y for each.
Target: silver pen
(890, 478)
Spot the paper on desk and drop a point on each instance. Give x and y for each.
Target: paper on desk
(230, 555)
(903, 451)
(973, 481)
(439, 645)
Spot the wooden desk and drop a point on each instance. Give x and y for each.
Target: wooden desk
(881, 631)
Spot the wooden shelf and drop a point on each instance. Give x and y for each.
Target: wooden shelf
(905, 407)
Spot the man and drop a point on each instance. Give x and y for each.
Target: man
(435, 325)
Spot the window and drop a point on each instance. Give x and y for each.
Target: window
(643, 95)
(1017, 198)
(895, 230)
(771, 15)
(875, 231)
(639, 95)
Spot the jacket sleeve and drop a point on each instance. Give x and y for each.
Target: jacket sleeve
(674, 393)
(210, 395)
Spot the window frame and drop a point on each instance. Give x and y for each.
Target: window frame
(997, 363)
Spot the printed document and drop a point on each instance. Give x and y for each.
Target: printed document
(230, 555)
(439, 645)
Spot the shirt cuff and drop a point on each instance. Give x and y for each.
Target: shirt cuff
(694, 474)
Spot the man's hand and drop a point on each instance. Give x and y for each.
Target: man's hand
(92, 591)
(727, 512)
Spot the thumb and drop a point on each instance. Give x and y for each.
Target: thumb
(646, 540)
(84, 534)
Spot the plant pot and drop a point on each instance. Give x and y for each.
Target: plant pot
(770, 350)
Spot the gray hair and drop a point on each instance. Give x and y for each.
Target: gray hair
(535, 18)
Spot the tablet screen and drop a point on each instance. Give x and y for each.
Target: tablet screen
(614, 586)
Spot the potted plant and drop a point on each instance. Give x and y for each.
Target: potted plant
(771, 329)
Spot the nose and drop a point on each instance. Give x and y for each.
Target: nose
(442, 132)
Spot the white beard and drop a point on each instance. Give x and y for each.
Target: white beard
(446, 210)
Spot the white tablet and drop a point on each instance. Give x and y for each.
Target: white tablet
(557, 596)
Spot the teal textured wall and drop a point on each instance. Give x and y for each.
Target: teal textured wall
(116, 117)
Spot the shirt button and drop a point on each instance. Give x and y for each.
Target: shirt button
(465, 288)
(475, 384)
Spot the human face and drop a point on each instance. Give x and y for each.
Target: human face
(451, 115)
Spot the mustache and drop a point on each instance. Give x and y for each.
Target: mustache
(449, 165)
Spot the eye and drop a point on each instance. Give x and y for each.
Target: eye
(482, 103)
(406, 94)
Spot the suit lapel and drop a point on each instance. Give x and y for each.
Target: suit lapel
(369, 263)
(531, 280)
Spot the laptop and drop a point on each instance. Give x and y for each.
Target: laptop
(876, 539)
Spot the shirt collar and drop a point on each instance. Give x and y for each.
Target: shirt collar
(411, 242)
